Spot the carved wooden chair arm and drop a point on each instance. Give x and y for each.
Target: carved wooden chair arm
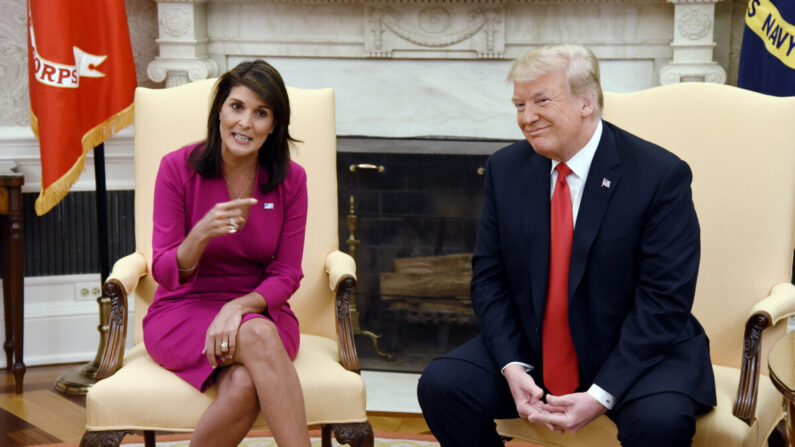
(778, 305)
(121, 282)
(339, 265)
(341, 269)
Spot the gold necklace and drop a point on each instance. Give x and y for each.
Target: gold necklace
(245, 190)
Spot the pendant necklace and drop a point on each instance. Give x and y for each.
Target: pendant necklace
(245, 190)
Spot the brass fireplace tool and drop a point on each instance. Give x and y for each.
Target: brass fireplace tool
(351, 220)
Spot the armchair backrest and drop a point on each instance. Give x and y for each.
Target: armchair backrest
(741, 148)
(167, 119)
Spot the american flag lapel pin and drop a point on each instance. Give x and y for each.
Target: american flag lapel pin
(605, 183)
(267, 205)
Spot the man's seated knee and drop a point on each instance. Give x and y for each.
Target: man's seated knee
(432, 385)
(651, 432)
(662, 421)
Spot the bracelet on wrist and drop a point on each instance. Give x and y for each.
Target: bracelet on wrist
(188, 269)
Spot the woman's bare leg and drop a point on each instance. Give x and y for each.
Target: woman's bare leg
(230, 417)
(260, 350)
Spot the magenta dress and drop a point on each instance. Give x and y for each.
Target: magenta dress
(264, 256)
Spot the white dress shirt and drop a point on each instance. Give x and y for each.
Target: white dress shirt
(579, 164)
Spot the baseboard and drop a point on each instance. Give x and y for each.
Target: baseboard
(391, 392)
(61, 319)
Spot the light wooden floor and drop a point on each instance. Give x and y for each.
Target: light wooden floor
(41, 415)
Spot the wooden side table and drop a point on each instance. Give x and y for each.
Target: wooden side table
(13, 270)
(781, 362)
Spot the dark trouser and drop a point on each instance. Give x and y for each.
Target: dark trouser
(463, 391)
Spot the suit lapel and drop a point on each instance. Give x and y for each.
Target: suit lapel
(602, 181)
(535, 223)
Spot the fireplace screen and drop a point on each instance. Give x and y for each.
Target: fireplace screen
(409, 220)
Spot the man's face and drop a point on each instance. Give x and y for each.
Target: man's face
(551, 118)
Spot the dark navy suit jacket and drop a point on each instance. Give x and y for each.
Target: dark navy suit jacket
(632, 277)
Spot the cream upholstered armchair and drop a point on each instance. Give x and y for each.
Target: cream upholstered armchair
(741, 148)
(135, 393)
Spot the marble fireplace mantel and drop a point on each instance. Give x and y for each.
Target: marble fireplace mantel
(384, 56)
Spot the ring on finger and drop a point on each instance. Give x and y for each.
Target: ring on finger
(224, 346)
(233, 226)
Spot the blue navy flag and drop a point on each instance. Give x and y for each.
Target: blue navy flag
(767, 57)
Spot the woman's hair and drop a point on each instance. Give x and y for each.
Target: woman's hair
(578, 62)
(274, 154)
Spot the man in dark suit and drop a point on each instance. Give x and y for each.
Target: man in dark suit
(584, 271)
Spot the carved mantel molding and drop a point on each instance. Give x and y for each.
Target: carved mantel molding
(414, 27)
(178, 71)
(182, 41)
(694, 21)
(198, 37)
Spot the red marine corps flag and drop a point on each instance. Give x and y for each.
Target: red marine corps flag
(81, 79)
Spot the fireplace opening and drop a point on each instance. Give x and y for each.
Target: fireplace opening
(408, 215)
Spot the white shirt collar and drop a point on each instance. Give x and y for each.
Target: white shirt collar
(580, 163)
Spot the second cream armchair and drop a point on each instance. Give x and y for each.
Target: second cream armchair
(740, 146)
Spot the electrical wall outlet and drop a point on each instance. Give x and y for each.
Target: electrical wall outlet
(87, 291)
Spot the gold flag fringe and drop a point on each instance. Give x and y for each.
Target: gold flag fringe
(34, 124)
(50, 197)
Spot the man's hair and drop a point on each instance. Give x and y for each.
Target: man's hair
(580, 65)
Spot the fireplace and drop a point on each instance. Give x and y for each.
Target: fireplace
(408, 214)
(405, 72)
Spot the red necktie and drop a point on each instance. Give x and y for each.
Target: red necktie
(561, 374)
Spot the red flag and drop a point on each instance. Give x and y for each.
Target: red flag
(82, 81)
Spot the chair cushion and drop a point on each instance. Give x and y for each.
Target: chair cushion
(717, 428)
(144, 396)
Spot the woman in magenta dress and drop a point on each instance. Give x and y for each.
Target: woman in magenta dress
(229, 220)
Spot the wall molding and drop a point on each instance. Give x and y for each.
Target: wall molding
(19, 145)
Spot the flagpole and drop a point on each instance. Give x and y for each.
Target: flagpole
(77, 380)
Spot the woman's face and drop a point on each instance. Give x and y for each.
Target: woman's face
(246, 121)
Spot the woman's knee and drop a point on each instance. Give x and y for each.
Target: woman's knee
(240, 379)
(260, 337)
(236, 385)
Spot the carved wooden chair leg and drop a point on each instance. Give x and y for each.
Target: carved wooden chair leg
(355, 434)
(149, 438)
(325, 436)
(103, 438)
